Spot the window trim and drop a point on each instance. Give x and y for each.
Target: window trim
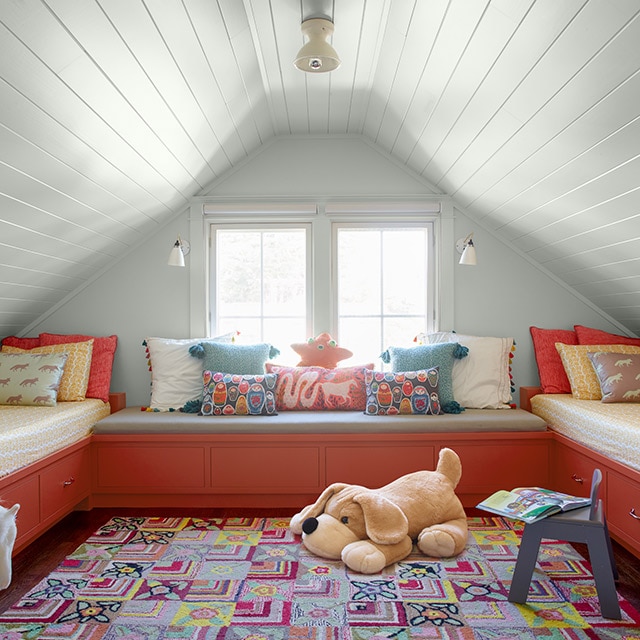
(320, 213)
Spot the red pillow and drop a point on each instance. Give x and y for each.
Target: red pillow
(104, 349)
(21, 343)
(586, 335)
(317, 388)
(553, 378)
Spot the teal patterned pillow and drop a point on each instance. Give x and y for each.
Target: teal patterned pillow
(227, 394)
(245, 359)
(31, 378)
(427, 356)
(409, 392)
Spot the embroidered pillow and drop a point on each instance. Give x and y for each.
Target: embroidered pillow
(553, 377)
(317, 388)
(618, 374)
(246, 359)
(409, 392)
(582, 376)
(104, 349)
(227, 394)
(75, 378)
(425, 357)
(30, 379)
(482, 380)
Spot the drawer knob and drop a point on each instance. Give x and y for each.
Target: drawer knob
(577, 478)
(633, 514)
(69, 482)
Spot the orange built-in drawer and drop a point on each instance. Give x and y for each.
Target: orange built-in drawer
(623, 507)
(65, 483)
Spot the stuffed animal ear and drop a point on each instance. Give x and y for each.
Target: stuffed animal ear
(315, 509)
(384, 521)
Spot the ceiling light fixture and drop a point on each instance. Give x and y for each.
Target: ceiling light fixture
(467, 249)
(180, 249)
(317, 55)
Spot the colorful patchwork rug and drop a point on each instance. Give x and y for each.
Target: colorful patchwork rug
(232, 578)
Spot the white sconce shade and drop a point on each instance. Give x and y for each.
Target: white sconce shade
(317, 55)
(466, 247)
(180, 249)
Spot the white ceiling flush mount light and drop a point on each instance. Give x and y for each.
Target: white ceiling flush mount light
(180, 249)
(317, 55)
(466, 247)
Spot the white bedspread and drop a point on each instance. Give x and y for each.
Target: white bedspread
(612, 429)
(30, 433)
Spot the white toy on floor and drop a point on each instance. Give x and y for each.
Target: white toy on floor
(8, 532)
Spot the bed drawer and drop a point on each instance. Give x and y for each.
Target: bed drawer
(64, 483)
(572, 471)
(623, 508)
(25, 493)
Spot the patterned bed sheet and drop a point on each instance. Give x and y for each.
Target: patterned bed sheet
(28, 434)
(612, 429)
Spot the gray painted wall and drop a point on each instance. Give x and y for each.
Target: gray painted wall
(141, 295)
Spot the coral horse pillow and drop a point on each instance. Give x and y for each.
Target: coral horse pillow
(321, 351)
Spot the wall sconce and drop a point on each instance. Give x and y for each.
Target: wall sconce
(466, 247)
(180, 249)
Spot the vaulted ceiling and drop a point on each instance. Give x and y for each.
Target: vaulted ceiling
(114, 113)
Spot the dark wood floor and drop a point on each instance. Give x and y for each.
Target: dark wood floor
(39, 559)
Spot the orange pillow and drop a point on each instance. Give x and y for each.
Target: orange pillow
(104, 349)
(587, 335)
(553, 378)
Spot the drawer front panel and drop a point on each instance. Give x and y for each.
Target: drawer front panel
(263, 469)
(572, 471)
(492, 466)
(27, 495)
(374, 467)
(65, 483)
(150, 468)
(623, 500)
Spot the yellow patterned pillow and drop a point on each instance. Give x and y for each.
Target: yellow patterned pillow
(582, 376)
(73, 385)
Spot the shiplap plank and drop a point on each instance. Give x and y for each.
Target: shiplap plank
(410, 79)
(204, 87)
(10, 291)
(260, 18)
(548, 100)
(27, 278)
(119, 67)
(37, 82)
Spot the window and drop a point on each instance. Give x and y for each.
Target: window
(366, 277)
(382, 294)
(261, 282)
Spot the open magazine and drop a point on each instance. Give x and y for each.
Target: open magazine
(531, 504)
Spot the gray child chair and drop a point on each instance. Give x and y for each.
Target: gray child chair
(587, 525)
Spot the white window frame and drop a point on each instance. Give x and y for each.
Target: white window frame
(259, 226)
(377, 223)
(207, 210)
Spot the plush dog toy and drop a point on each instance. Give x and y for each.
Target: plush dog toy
(370, 529)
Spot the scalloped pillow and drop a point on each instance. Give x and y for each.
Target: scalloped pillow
(582, 376)
(318, 388)
(228, 394)
(587, 335)
(407, 392)
(482, 380)
(75, 378)
(425, 357)
(619, 377)
(553, 377)
(104, 349)
(176, 377)
(29, 379)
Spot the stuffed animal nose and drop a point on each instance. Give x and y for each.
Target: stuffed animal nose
(309, 525)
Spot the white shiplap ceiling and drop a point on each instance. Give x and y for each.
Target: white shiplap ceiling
(114, 113)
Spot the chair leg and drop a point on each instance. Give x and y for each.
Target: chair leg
(603, 573)
(525, 565)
